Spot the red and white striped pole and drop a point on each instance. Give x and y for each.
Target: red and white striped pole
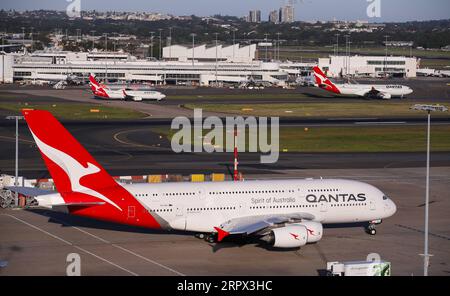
(235, 173)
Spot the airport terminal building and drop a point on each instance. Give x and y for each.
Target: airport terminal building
(369, 66)
(201, 65)
(234, 64)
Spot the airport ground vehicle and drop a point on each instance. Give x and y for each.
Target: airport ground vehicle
(359, 268)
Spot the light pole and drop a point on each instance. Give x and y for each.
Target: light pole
(151, 43)
(31, 35)
(346, 55)
(234, 40)
(385, 55)
(278, 46)
(23, 37)
(193, 46)
(170, 43)
(428, 109)
(93, 38)
(106, 41)
(16, 167)
(160, 44)
(337, 44)
(265, 40)
(216, 56)
(114, 41)
(349, 58)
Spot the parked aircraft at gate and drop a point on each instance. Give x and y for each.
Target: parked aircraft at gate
(378, 91)
(102, 91)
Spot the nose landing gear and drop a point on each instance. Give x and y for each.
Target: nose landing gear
(370, 229)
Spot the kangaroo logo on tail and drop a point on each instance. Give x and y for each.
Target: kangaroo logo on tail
(323, 81)
(74, 170)
(97, 88)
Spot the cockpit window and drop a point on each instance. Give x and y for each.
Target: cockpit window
(385, 197)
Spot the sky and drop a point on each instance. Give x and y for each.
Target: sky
(305, 10)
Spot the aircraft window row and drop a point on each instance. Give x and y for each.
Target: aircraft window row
(349, 205)
(285, 206)
(248, 191)
(179, 193)
(161, 210)
(323, 190)
(211, 209)
(146, 194)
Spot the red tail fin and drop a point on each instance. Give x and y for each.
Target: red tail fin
(323, 81)
(99, 90)
(79, 177)
(93, 80)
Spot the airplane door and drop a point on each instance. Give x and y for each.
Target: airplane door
(323, 207)
(179, 222)
(372, 206)
(131, 212)
(179, 212)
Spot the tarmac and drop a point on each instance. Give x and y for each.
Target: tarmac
(37, 241)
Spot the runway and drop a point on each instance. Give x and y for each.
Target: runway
(37, 242)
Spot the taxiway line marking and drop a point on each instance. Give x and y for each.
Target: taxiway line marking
(13, 139)
(380, 123)
(421, 231)
(149, 260)
(122, 248)
(71, 244)
(116, 137)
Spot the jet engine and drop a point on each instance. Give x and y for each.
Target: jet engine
(384, 96)
(137, 99)
(295, 235)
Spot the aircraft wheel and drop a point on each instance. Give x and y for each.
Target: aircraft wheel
(371, 229)
(200, 235)
(210, 238)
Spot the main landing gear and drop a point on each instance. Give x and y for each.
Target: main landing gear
(210, 238)
(370, 229)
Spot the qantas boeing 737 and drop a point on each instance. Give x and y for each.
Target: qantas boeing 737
(282, 213)
(101, 91)
(361, 90)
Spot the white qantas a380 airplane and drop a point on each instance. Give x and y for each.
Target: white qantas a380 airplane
(377, 91)
(282, 213)
(102, 91)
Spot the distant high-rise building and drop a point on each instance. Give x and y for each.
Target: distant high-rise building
(286, 14)
(254, 16)
(273, 17)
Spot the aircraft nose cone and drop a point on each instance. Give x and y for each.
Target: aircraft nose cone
(392, 208)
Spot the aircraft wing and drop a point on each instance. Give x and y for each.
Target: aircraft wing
(29, 191)
(366, 92)
(252, 224)
(374, 93)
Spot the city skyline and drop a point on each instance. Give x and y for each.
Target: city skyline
(305, 10)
